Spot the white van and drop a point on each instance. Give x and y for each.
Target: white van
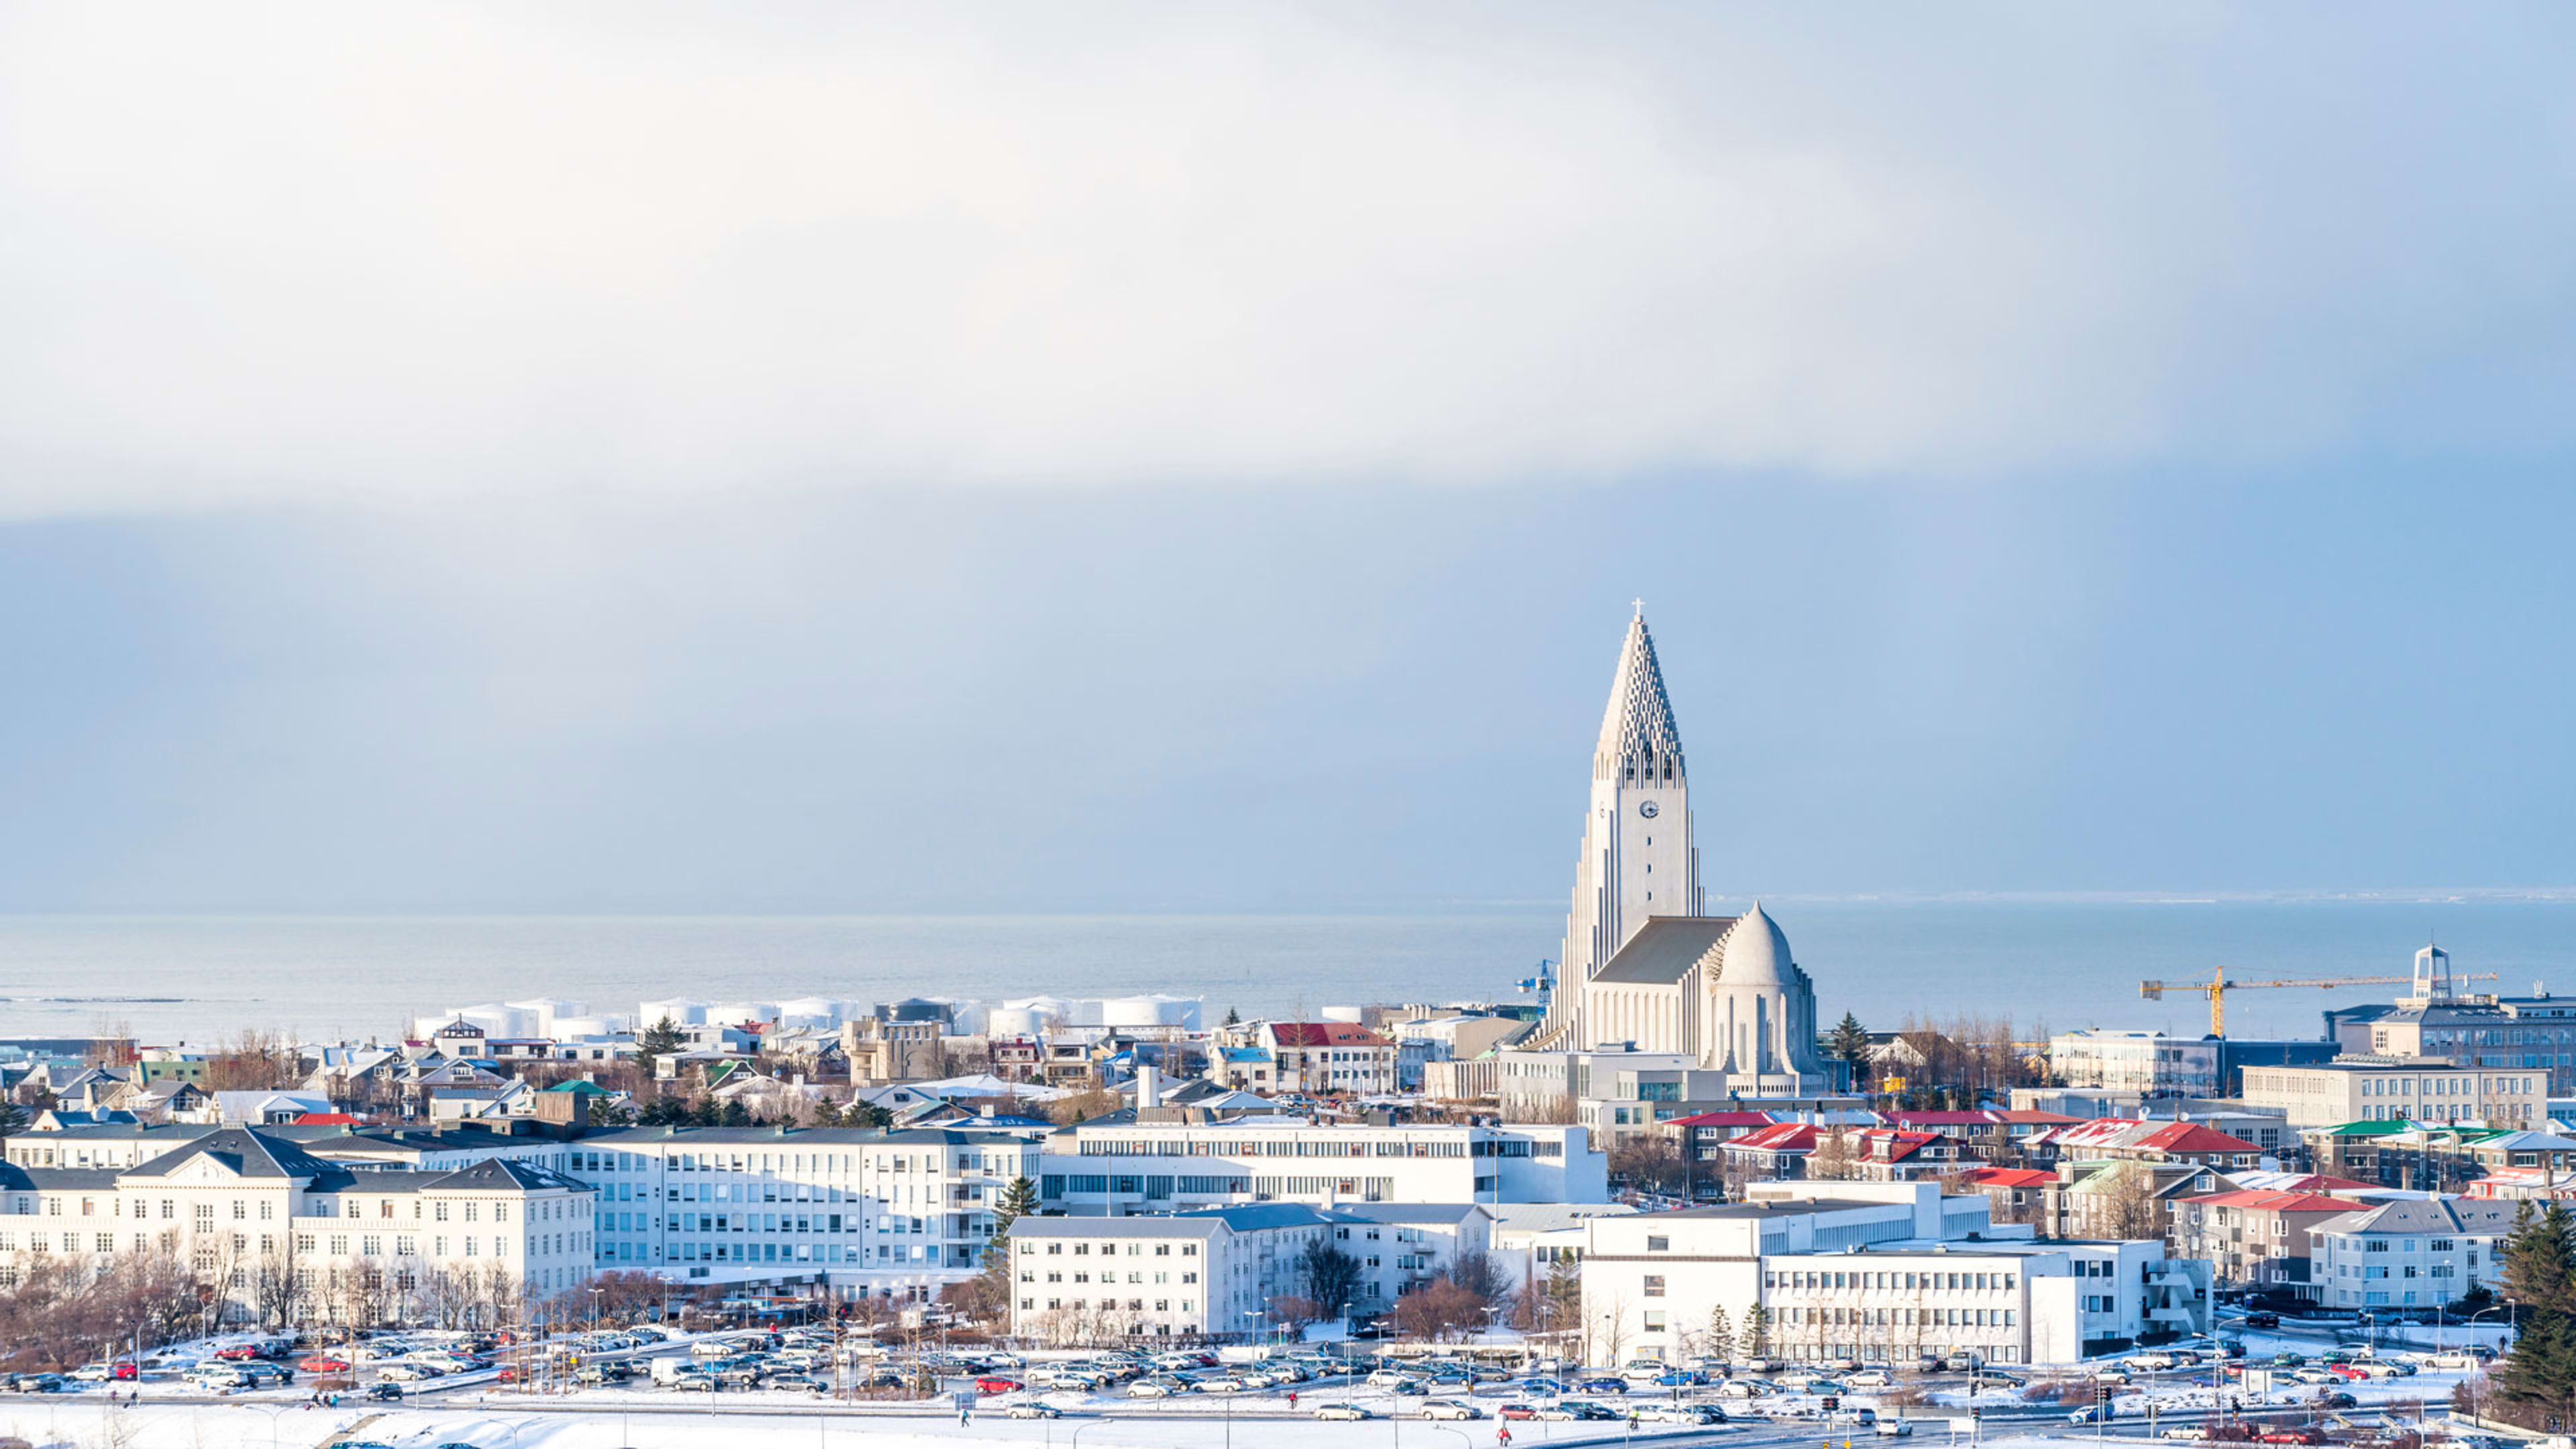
(1892, 1428)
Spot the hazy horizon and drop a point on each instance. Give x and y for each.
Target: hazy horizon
(834, 459)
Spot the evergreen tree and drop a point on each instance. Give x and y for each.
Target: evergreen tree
(1848, 1043)
(1233, 1017)
(735, 1114)
(705, 1113)
(1018, 1201)
(1721, 1335)
(827, 1113)
(658, 1041)
(868, 1115)
(2537, 1380)
(1757, 1332)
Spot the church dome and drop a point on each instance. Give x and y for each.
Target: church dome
(1756, 953)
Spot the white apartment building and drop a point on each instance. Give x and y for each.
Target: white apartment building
(256, 1214)
(1210, 1273)
(2412, 1253)
(895, 1213)
(2400, 1089)
(1880, 1272)
(2148, 1063)
(1213, 1272)
(1165, 1167)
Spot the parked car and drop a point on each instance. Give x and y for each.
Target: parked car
(1681, 1414)
(998, 1385)
(1602, 1386)
(385, 1393)
(2262, 1320)
(1872, 1379)
(1341, 1411)
(323, 1363)
(1451, 1409)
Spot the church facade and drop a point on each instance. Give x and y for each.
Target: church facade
(1642, 966)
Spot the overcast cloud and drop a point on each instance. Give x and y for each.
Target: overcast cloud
(252, 252)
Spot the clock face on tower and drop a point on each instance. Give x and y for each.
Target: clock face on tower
(1647, 809)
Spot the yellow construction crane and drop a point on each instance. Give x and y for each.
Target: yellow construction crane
(2218, 985)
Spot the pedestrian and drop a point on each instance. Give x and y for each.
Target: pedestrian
(1292, 1401)
(1503, 1436)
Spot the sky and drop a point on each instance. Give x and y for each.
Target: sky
(869, 458)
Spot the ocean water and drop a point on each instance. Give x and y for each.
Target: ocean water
(2043, 964)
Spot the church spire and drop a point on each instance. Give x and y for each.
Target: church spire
(1639, 742)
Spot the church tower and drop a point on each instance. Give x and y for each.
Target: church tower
(1638, 859)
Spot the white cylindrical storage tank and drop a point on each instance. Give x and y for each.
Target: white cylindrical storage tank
(1131, 1011)
(1180, 1011)
(810, 1011)
(1351, 1014)
(681, 1010)
(735, 1013)
(567, 1028)
(1009, 1023)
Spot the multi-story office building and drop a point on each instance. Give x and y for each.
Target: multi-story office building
(1880, 1272)
(1133, 1167)
(2400, 1089)
(2438, 1018)
(2148, 1063)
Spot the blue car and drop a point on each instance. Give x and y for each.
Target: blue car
(1602, 1386)
(1682, 1379)
(1542, 1386)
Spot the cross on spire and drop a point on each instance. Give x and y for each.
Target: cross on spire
(1641, 607)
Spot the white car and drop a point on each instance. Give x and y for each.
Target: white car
(1742, 1389)
(1451, 1409)
(1341, 1411)
(1387, 1378)
(1873, 1379)
(1148, 1389)
(1895, 1429)
(1034, 1411)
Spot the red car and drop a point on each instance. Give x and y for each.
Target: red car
(236, 1353)
(1516, 1411)
(997, 1386)
(2346, 1372)
(322, 1363)
(2287, 1435)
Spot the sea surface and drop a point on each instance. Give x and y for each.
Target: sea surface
(2044, 965)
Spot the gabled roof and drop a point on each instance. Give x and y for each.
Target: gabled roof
(504, 1174)
(2194, 1137)
(2280, 1202)
(1781, 1137)
(2465, 1215)
(242, 1151)
(1665, 948)
(1324, 1034)
(2007, 1177)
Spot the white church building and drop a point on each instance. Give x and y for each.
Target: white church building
(1642, 966)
